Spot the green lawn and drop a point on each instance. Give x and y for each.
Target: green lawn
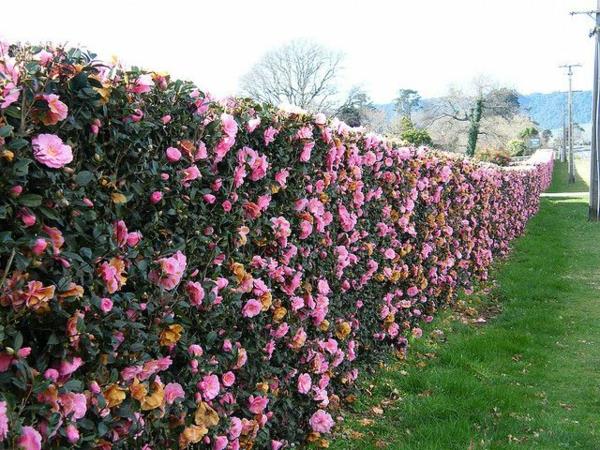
(529, 378)
(560, 177)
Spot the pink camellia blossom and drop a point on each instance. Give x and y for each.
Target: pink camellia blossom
(173, 391)
(134, 238)
(209, 198)
(43, 56)
(412, 291)
(228, 379)
(257, 404)
(195, 292)
(74, 405)
(304, 383)
(8, 95)
(173, 154)
(281, 177)
(106, 304)
(68, 367)
(171, 271)
(195, 350)
(142, 84)
(190, 174)
(3, 421)
(51, 374)
(252, 308)
(95, 126)
(30, 439)
(16, 190)
(87, 202)
(252, 124)
(321, 422)
(24, 352)
(276, 445)
(201, 152)
(417, 332)
(209, 386)
(389, 253)
(39, 247)
(229, 125)
(57, 110)
(269, 135)
(220, 443)
(27, 217)
(156, 197)
(49, 150)
(72, 433)
(165, 119)
(306, 229)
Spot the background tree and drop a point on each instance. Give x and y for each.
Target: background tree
(356, 108)
(302, 73)
(407, 101)
(488, 103)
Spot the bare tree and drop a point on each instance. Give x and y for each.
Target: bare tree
(488, 102)
(301, 73)
(355, 109)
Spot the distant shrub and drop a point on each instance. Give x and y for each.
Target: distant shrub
(497, 156)
(516, 147)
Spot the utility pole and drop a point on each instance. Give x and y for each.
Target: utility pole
(563, 149)
(594, 209)
(571, 164)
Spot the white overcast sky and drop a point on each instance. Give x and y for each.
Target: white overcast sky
(426, 45)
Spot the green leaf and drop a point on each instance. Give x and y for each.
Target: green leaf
(84, 177)
(31, 200)
(18, 341)
(5, 131)
(17, 144)
(21, 167)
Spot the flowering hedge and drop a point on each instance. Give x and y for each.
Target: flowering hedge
(178, 271)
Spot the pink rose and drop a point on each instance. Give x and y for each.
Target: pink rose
(321, 422)
(252, 308)
(106, 304)
(49, 150)
(173, 154)
(173, 391)
(304, 383)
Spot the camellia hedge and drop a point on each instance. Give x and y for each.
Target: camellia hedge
(176, 270)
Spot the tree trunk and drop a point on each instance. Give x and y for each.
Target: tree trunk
(474, 126)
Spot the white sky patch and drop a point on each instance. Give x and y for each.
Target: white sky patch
(389, 44)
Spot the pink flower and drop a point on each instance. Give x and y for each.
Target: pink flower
(27, 217)
(142, 85)
(306, 151)
(195, 350)
(165, 119)
(276, 445)
(95, 126)
(68, 367)
(72, 433)
(209, 386)
(229, 125)
(156, 197)
(304, 383)
(220, 443)
(251, 308)
(201, 152)
(74, 405)
(417, 332)
(306, 229)
(389, 253)
(51, 374)
(252, 124)
(106, 304)
(209, 198)
(57, 110)
(321, 422)
(24, 352)
(30, 439)
(257, 404)
(173, 391)
(39, 247)
(171, 271)
(16, 190)
(269, 135)
(228, 379)
(281, 177)
(49, 150)
(173, 154)
(195, 292)
(43, 56)
(227, 206)
(3, 421)
(8, 95)
(412, 291)
(190, 174)
(134, 238)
